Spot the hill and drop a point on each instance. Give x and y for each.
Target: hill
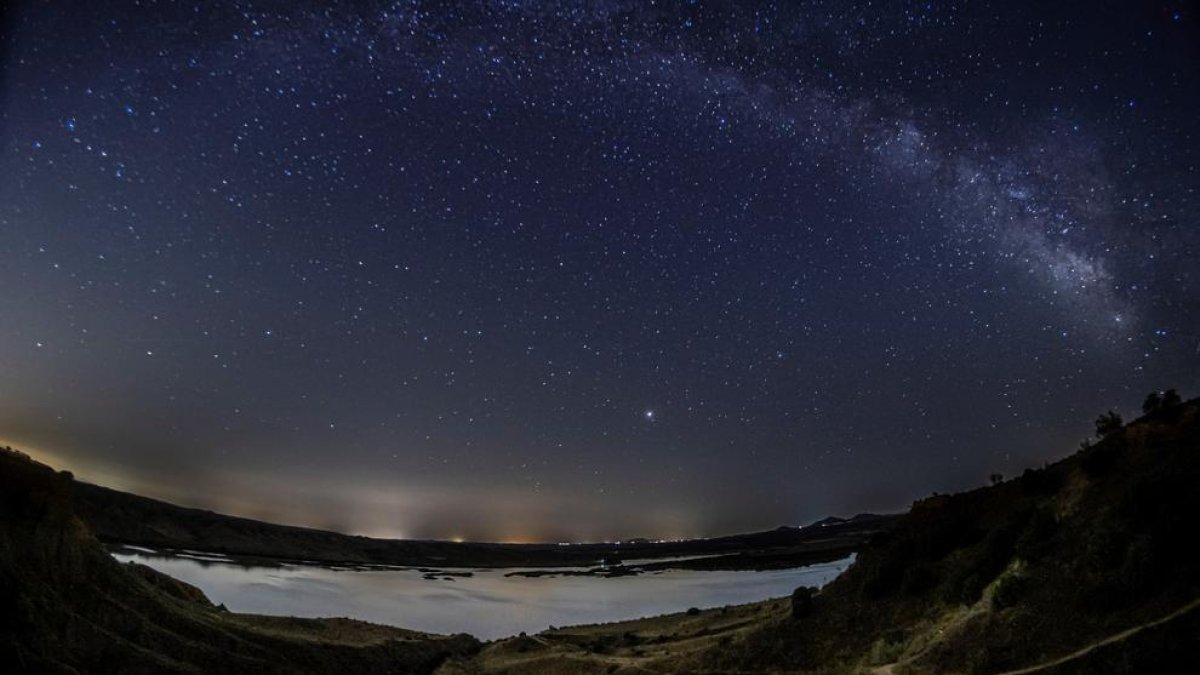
(1024, 572)
(66, 606)
(1087, 565)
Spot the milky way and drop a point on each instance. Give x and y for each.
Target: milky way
(519, 271)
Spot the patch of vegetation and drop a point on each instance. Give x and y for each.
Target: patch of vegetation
(802, 601)
(1108, 423)
(1065, 556)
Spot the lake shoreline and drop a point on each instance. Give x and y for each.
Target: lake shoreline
(121, 518)
(490, 604)
(753, 561)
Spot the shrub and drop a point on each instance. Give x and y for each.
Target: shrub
(1031, 544)
(992, 556)
(1152, 403)
(1108, 423)
(1171, 398)
(802, 601)
(885, 651)
(1009, 590)
(969, 589)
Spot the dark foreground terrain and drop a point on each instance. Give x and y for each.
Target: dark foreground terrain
(67, 606)
(1088, 565)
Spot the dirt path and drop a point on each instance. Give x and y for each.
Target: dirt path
(1123, 635)
(888, 669)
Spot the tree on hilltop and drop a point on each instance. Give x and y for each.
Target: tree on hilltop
(1108, 423)
(1153, 403)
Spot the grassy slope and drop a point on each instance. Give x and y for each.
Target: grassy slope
(672, 643)
(1073, 568)
(1017, 574)
(66, 606)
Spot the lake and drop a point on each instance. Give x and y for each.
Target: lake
(488, 605)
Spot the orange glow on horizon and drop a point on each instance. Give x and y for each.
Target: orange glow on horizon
(88, 471)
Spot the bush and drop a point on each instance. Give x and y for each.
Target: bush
(802, 601)
(970, 589)
(1009, 590)
(1041, 527)
(1108, 423)
(884, 651)
(992, 556)
(1139, 570)
(1172, 405)
(1152, 403)
(1041, 482)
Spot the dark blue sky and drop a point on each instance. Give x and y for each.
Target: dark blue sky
(512, 270)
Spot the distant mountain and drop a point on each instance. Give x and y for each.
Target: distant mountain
(858, 519)
(831, 520)
(120, 517)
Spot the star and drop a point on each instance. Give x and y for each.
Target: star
(512, 236)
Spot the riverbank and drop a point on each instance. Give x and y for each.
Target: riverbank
(487, 603)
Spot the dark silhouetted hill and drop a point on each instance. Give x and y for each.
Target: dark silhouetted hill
(66, 606)
(1088, 565)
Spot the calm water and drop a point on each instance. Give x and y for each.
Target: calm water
(487, 605)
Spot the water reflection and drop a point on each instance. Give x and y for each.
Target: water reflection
(487, 604)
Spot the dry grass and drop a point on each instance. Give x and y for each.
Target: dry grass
(340, 631)
(660, 644)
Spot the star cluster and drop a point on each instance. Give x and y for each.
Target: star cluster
(582, 270)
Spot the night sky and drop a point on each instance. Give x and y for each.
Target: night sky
(584, 270)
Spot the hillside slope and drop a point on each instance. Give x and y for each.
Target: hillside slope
(66, 606)
(1022, 574)
(1086, 566)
